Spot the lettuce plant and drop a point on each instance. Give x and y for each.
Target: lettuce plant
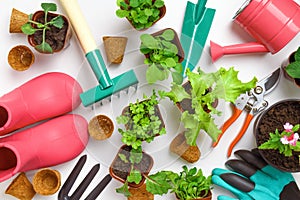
(205, 89)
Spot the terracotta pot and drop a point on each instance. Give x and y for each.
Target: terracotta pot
(58, 46)
(162, 11)
(157, 113)
(285, 64)
(274, 118)
(208, 197)
(119, 170)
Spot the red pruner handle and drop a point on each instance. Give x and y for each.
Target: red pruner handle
(236, 113)
(240, 135)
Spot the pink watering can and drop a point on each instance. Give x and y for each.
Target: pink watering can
(273, 23)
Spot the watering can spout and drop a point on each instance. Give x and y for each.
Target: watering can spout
(218, 51)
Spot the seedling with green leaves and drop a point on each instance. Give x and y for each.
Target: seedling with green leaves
(134, 175)
(293, 68)
(141, 121)
(141, 13)
(162, 57)
(188, 184)
(32, 27)
(141, 124)
(285, 142)
(206, 88)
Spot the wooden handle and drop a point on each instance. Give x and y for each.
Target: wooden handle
(79, 25)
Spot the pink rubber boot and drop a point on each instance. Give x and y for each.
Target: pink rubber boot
(50, 143)
(46, 96)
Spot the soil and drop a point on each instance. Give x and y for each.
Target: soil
(274, 118)
(55, 37)
(121, 169)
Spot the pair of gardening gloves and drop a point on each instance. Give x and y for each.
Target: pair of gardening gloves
(250, 177)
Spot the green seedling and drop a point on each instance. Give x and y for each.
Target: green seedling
(141, 13)
(293, 68)
(162, 57)
(188, 184)
(141, 124)
(29, 29)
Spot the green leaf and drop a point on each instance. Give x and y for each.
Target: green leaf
(122, 13)
(159, 3)
(49, 7)
(148, 12)
(168, 35)
(161, 182)
(28, 29)
(231, 85)
(170, 62)
(177, 93)
(123, 158)
(297, 55)
(58, 22)
(44, 47)
(135, 176)
(177, 77)
(134, 3)
(154, 74)
(293, 69)
(124, 190)
(149, 41)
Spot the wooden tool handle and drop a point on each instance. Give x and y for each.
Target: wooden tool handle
(79, 25)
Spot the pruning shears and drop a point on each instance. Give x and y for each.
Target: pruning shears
(252, 102)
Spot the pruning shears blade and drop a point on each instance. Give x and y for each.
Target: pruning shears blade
(271, 81)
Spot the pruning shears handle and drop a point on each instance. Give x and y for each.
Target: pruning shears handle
(236, 113)
(241, 133)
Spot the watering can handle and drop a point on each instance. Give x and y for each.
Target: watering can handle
(218, 51)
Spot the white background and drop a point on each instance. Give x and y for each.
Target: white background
(101, 17)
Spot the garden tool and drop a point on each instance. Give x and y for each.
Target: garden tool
(195, 28)
(250, 177)
(252, 102)
(46, 96)
(47, 144)
(107, 86)
(76, 195)
(273, 23)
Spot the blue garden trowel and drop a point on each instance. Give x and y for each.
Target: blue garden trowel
(195, 28)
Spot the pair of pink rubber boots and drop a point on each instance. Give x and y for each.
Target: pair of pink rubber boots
(60, 137)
